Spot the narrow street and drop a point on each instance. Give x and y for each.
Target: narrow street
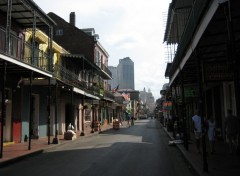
(138, 150)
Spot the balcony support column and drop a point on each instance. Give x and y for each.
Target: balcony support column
(176, 101)
(3, 114)
(82, 110)
(201, 102)
(33, 39)
(72, 109)
(48, 110)
(30, 113)
(185, 125)
(55, 139)
(93, 117)
(50, 41)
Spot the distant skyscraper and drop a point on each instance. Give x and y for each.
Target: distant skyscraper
(123, 74)
(143, 95)
(114, 81)
(147, 99)
(125, 70)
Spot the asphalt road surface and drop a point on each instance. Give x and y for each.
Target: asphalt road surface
(139, 150)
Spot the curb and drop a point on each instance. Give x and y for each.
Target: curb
(19, 158)
(40, 151)
(187, 159)
(46, 149)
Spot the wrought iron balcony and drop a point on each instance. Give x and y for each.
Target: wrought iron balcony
(104, 69)
(108, 95)
(69, 77)
(20, 50)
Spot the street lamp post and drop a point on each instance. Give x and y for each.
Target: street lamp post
(93, 118)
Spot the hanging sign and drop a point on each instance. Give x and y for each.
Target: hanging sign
(217, 72)
(167, 105)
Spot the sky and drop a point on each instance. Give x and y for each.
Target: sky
(126, 28)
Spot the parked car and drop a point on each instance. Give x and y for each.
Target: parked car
(144, 116)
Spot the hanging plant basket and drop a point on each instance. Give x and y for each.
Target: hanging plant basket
(85, 107)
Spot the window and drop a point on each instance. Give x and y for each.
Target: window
(98, 58)
(59, 32)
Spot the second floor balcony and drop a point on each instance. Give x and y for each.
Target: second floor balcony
(71, 78)
(16, 48)
(109, 95)
(107, 74)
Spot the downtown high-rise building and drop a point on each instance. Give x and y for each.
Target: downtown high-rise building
(123, 74)
(147, 99)
(114, 81)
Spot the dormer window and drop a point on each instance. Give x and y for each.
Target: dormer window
(59, 32)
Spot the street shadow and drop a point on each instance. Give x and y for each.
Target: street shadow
(120, 158)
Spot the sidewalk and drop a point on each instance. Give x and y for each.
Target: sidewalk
(18, 151)
(221, 163)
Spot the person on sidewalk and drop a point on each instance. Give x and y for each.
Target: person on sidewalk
(128, 120)
(231, 128)
(121, 120)
(197, 129)
(211, 125)
(132, 120)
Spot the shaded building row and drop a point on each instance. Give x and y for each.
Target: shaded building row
(204, 74)
(53, 75)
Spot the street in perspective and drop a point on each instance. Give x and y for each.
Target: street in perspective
(108, 88)
(141, 149)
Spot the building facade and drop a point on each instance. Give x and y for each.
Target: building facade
(83, 43)
(47, 85)
(204, 74)
(24, 61)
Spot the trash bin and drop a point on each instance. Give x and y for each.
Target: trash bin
(116, 124)
(96, 125)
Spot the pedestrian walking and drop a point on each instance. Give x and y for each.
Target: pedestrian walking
(121, 120)
(132, 120)
(128, 119)
(197, 129)
(231, 128)
(211, 125)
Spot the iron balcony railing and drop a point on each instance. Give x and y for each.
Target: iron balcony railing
(104, 68)
(23, 51)
(109, 95)
(69, 77)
